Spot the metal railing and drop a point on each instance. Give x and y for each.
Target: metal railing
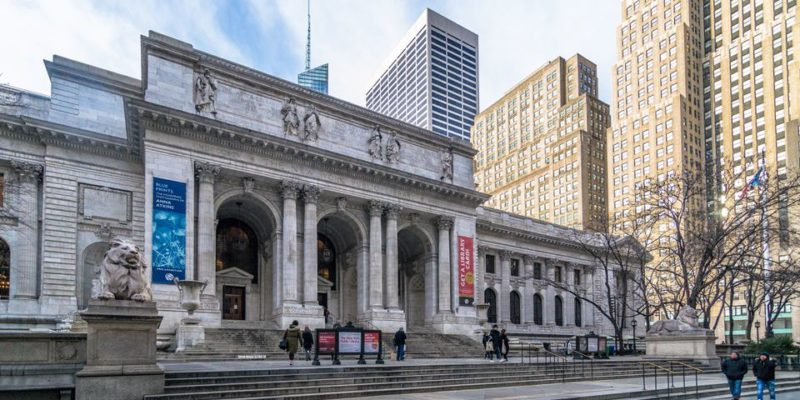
(786, 362)
(656, 368)
(555, 364)
(692, 368)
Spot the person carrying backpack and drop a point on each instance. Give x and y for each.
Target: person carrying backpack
(292, 336)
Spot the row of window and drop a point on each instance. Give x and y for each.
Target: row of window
(515, 312)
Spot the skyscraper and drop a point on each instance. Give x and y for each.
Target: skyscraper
(541, 147)
(313, 78)
(431, 78)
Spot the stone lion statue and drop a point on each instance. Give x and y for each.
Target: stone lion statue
(122, 273)
(686, 321)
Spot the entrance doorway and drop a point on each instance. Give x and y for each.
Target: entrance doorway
(233, 302)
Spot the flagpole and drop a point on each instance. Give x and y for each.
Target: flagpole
(765, 245)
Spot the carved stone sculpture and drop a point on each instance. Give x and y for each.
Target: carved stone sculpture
(392, 149)
(123, 273)
(205, 92)
(311, 124)
(686, 322)
(447, 165)
(376, 144)
(291, 121)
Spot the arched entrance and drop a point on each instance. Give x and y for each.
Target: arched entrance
(414, 249)
(245, 237)
(341, 267)
(490, 297)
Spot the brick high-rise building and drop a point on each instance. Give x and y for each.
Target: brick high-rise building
(542, 147)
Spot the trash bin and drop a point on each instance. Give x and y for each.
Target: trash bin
(612, 349)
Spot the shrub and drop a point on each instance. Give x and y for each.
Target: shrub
(773, 345)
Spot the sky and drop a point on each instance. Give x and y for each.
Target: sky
(353, 36)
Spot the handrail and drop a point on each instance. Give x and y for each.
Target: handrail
(555, 355)
(586, 356)
(688, 366)
(658, 366)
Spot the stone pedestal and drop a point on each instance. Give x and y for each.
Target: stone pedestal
(385, 320)
(307, 315)
(189, 334)
(698, 346)
(120, 351)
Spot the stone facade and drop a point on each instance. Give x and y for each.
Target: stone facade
(283, 228)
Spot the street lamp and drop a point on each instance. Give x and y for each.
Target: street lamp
(633, 324)
(758, 325)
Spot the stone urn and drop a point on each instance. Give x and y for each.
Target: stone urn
(190, 292)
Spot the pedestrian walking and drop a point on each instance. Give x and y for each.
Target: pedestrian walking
(308, 342)
(400, 344)
(293, 336)
(764, 370)
(487, 353)
(497, 343)
(735, 369)
(504, 341)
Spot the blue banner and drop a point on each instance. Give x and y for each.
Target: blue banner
(169, 230)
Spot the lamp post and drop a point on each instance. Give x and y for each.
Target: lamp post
(633, 324)
(758, 325)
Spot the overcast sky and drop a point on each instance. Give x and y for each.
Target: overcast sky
(353, 36)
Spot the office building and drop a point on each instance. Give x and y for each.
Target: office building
(315, 78)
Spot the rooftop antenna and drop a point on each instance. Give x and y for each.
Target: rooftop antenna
(308, 39)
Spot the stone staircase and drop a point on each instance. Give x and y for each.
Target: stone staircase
(262, 344)
(327, 382)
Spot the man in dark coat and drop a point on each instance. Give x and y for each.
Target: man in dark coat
(497, 342)
(734, 369)
(400, 344)
(764, 370)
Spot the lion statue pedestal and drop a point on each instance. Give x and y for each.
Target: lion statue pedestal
(121, 332)
(682, 338)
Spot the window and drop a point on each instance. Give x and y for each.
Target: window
(537, 309)
(491, 299)
(559, 311)
(515, 308)
(5, 269)
(578, 318)
(514, 267)
(2, 189)
(577, 277)
(489, 264)
(558, 274)
(537, 270)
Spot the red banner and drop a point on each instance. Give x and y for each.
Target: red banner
(372, 342)
(466, 271)
(327, 342)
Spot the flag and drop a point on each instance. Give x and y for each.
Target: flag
(754, 181)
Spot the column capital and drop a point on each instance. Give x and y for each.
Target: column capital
(482, 250)
(528, 259)
(28, 171)
(505, 255)
(392, 210)
(375, 208)
(311, 194)
(444, 223)
(205, 171)
(290, 189)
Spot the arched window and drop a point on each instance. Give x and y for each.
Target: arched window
(537, 309)
(237, 246)
(559, 311)
(5, 269)
(491, 299)
(515, 312)
(578, 309)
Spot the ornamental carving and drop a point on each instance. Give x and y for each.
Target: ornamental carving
(392, 149)
(447, 165)
(375, 208)
(393, 210)
(375, 144)
(290, 189)
(444, 223)
(205, 171)
(311, 124)
(311, 194)
(291, 121)
(205, 92)
(27, 171)
(248, 185)
(104, 232)
(505, 255)
(341, 203)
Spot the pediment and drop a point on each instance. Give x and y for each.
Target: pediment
(234, 273)
(324, 282)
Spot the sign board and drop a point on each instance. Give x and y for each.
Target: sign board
(169, 231)
(326, 339)
(466, 271)
(349, 342)
(592, 344)
(372, 342)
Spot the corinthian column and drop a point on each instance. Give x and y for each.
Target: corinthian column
(24, 280)
(505, 286)
(392, 296)
(527, 299)
(375, 209)
(289, 192)
(310, 197)
(444, 224)
(206, 244)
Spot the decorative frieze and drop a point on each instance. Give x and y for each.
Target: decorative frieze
(375, 144)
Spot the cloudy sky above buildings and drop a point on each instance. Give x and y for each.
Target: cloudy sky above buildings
(353, 36)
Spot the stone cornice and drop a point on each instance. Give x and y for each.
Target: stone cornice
(185, 53)
(490, 227)
(48, 133)
(199, 128)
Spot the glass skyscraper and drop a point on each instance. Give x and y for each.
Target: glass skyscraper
(431, 79)
(315, 79)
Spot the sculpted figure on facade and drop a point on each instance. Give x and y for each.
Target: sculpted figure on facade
(291, 121)
(123, 273)
(375, 144)
(392, 148)
(205, 92)
(447, 165)
(311, 124)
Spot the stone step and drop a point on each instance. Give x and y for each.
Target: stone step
(713, 391)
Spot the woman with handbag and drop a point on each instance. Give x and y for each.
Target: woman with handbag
(291, 340)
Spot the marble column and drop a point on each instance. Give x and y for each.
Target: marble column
(444, 224)
(375, 209)
(289, 192)
(206, 226)
(310, 198)
(480, 275)
(430, 286)
(391, 288)
(505, 287)
(527, 300)
(569, 298)
(549, 294)
(24, 280)
(588, 309)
